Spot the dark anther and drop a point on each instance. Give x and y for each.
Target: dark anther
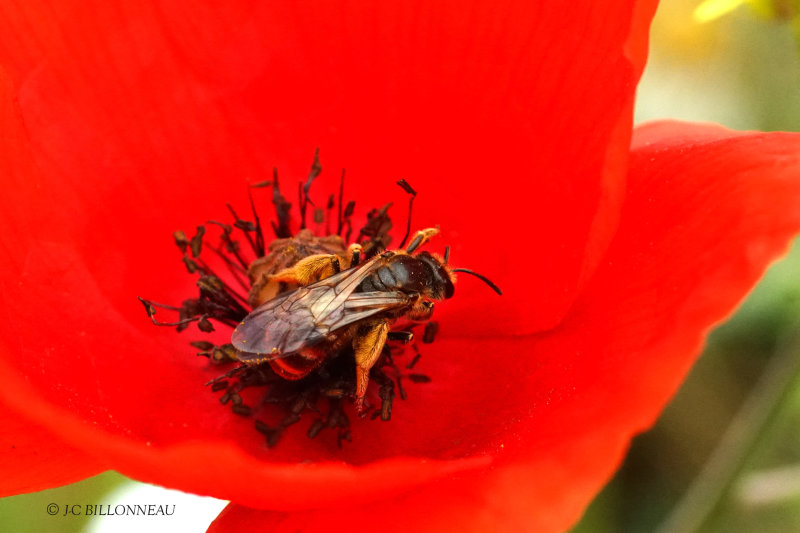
(202, 345)
(273, 437)
(406, 187)
(288, 420)
(205, 325)
(262, 427)
(242, 410)
(219, 385)
(245, 226)
(413, 361)
(316, 168)
(401, 391)
(419, 378)
(386, 408)
(282, 208)
(329, 213)
(150, 308)
(299, 405)
(180, 240)
(196, 244)
(344, 435)
(315, 428)
(431, 329)
(376, 230)
(348, 212)
(191, 265)
(402, 336)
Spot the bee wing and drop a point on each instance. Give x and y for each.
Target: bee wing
(301, 318)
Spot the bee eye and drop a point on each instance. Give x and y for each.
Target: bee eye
(449, 288)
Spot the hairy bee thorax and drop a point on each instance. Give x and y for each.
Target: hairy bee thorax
(422, 274)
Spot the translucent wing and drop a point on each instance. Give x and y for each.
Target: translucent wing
(304, 317)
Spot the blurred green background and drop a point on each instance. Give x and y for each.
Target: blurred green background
(742, 71)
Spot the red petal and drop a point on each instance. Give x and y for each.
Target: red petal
(32, 459)
(707, 209)
(513, 122)
(129, 120)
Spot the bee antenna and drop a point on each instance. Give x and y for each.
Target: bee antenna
(446, 254)
(484, 279)
(406, 187)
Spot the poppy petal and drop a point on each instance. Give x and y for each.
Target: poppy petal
(138, 116)
(33, 459)
(707, 210)
(129, 120)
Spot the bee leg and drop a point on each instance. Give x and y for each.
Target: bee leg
(367, 345)
(354, 251)
(422, 311)
(309, 269)
(420, 238)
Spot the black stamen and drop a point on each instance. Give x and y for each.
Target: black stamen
(315, 428)
(316, 168)
(196, 244)
(242, 410)
(245, 226)
(202, 345)
(259, 232)
(282, 208)
(402, 336)
(339, 219)
(348, 212)
(406, 187)
(431, 328)
(219, 385)
(328, 209)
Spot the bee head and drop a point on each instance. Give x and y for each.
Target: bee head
(442, 287)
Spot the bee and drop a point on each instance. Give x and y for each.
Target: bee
(297, 331)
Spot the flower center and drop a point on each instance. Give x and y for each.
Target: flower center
(285, 294)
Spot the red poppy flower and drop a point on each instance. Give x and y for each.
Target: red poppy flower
(126, 120)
